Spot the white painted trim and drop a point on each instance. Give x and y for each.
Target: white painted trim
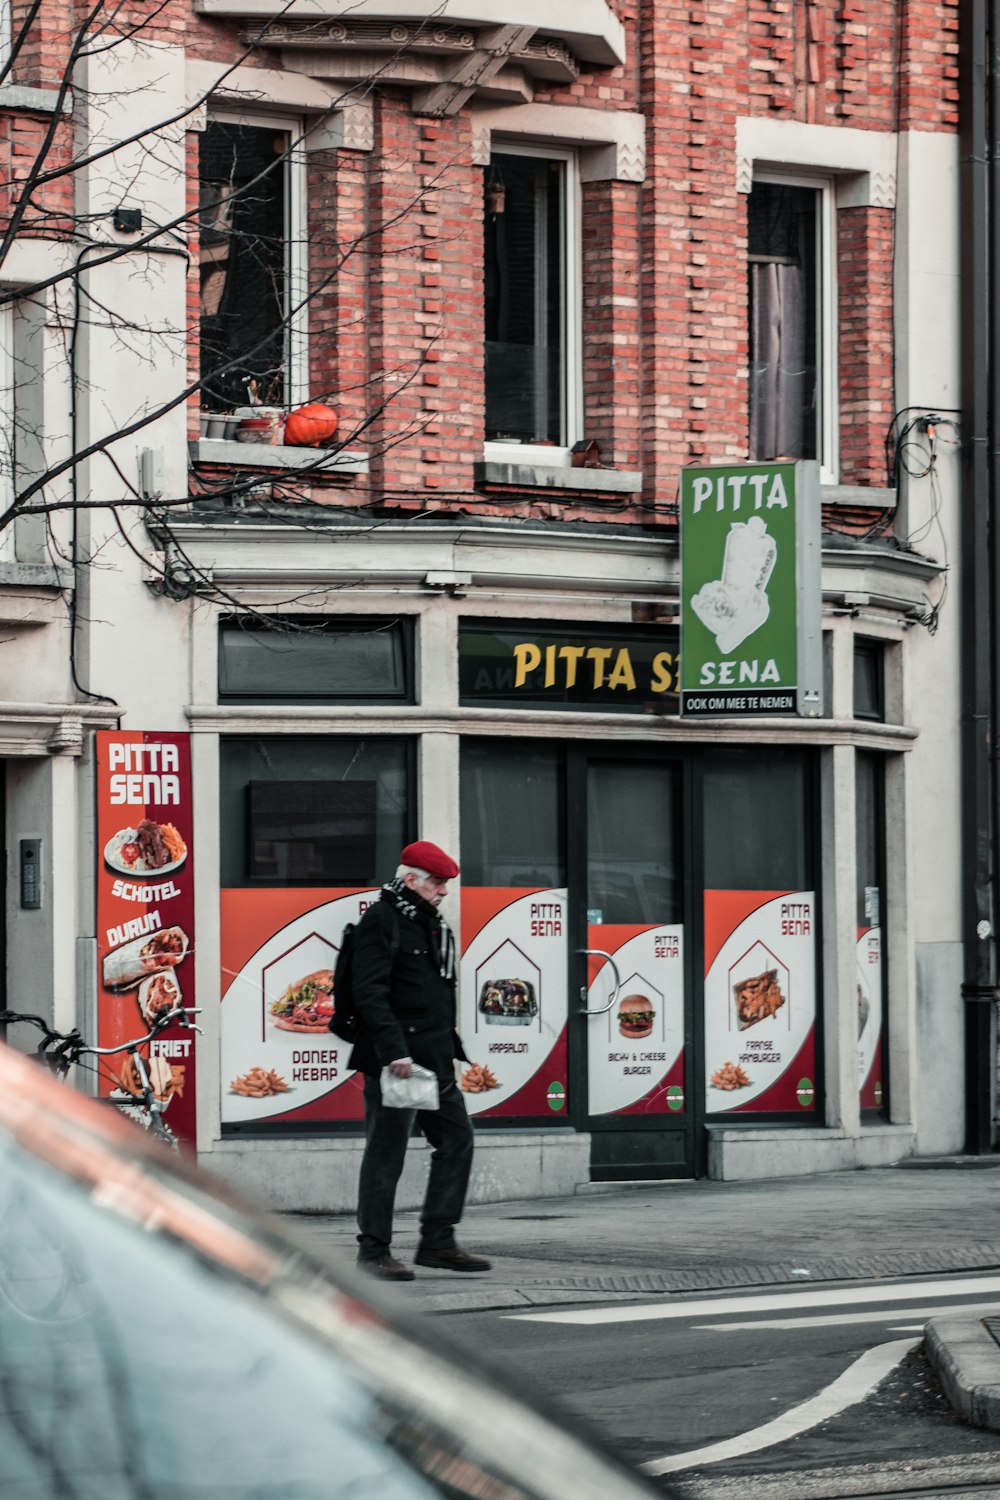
(588, 27)
(864, 161)
(828, 363)
(349, 114)
(610, 144)
(297, 270)
(296, 243)
(8, 424)
(572, 290)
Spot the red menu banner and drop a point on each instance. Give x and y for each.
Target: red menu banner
(145, 908)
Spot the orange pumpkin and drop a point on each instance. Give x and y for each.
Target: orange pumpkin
(310, 425)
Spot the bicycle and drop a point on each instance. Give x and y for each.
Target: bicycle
(139, 1089)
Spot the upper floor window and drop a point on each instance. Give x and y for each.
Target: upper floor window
(531, 298)
(869, 680)
(251, 210)
(791, 303)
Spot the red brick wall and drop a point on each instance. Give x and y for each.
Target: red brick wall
(395, 242)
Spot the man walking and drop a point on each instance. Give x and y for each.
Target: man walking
(403, 979)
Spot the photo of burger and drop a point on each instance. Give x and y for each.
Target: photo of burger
(306, 1005)
(635, 1017)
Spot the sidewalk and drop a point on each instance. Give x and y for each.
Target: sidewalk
(626, 1241)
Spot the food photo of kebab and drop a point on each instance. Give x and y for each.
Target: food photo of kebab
(306, 1005)
(157, 994)
(757, 999)
(147, 849)
(133, 962)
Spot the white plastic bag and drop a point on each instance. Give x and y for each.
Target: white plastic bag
(419, 1091)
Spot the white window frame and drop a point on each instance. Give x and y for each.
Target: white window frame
(828, 437)
(296, 242)
(8, 407)
(6, 35)
(572, 313)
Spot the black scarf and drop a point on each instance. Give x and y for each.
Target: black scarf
(418, 910)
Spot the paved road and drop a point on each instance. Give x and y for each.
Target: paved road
(677, 1377)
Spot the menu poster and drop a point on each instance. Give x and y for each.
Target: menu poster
(280, 1061)
(869, 987)
(512, 1005)
(636, 1048)
(760, 1001)
(145, 911)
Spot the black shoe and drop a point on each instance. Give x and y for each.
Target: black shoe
(452, 1259)
(386, 1268)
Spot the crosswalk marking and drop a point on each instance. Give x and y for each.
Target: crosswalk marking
(833, 1320)
(718, 1307)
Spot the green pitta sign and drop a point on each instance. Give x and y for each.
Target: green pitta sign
(750, 590)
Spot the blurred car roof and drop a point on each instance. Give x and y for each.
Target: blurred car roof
(159, 1337)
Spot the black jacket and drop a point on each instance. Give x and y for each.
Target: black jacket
(406, 1005)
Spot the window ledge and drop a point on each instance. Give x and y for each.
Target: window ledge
(858, 494)
(550, 477)
(33, 100)
(35, 576)
(331, 463)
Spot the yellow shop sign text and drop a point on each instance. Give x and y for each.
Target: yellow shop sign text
(607, 667)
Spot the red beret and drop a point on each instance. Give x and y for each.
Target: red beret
(425, 856)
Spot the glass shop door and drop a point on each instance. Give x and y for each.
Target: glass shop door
(630, 1035)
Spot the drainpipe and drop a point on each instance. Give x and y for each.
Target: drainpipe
(980, 338)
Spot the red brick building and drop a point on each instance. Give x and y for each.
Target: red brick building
(537, 262)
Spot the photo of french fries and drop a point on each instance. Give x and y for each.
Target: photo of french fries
(477, 1079)
(259, 1083)
(730, 1076)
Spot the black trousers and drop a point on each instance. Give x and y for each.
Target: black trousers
(449, 1131)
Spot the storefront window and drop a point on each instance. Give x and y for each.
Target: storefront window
(760, 935)
(633, 843)
(310, 828)
(755, 820)
(312, 811)
(514, 973)
(512, 815)
(870, 924)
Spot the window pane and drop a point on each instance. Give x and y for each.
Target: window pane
(783, 291)
(868, 812)
(312, 811)
(353, 661)
(242, 259)
(633, 872)
(524, 218)
(755, 821)
(868, 699)
(512, 816)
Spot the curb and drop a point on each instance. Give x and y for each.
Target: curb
(965, 1356)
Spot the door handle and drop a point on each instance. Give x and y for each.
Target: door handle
(584, 1008)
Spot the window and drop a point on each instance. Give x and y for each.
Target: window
(347, 660)
(531, 298)
(869, 689)
(252, 262)
(791, 323)
(513, 815)
(313, 810)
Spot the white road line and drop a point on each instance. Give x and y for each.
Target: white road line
(768, 1302)
(831, 1320)
(853, 1386)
